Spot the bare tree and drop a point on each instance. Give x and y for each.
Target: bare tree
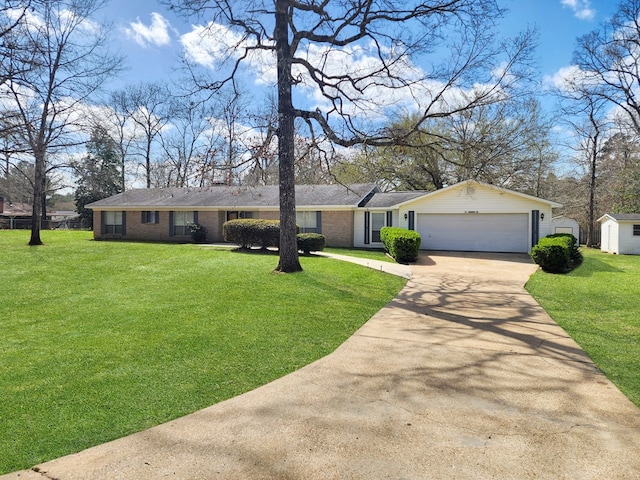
(586, 114)
(47, 99)
(147, 106)
(15, 55)
(314, 45)
(504, 144)
(608, 59)
(186, 143)
(113, 119)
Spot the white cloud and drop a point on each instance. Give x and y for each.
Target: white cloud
(581, 8)
(157, 33)
(373, 96)
(564, 78)
(215, 45)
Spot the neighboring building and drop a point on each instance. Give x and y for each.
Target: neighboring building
(620, 233)
(15, 215)
(18, 216)
(469, 216)
(562, 224)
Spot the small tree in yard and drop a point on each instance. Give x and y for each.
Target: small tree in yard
(357, 59)
(98, 173)
(46, 93)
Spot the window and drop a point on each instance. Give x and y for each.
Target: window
(112, 223)
(150, 217)
(377, 222)
(308, 221)
(180, 223)
(636, 230)
(236, 215)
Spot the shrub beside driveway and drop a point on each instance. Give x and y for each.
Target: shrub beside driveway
(597, 304)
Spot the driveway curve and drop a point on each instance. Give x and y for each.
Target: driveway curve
(462, 375)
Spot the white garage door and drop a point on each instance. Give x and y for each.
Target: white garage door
(499, 232)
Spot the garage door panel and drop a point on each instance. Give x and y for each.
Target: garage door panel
(506, 232)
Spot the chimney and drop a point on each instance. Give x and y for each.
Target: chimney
(1, 205)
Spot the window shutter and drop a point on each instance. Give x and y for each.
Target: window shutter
(143, 217)
(171, 223)
(367, 224)
(412, 220)
(389, 218)
(124, 223)
(318, 221)
(157, 217)
(535, 226)
(195, 217)
(102, 226)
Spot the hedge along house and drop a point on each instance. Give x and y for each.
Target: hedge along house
(469, 216)
(620, 233)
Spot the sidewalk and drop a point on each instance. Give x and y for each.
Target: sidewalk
(387, 267)
(461, 376)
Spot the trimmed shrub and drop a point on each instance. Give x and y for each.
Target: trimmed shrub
(575, 255)
(310, 242)
(554, 253)
(557, 253)
(252, 232)
(403, 245)
(198, 233)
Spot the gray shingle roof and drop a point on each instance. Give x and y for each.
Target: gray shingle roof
(237, 196)
(391, 199)
(625, 216)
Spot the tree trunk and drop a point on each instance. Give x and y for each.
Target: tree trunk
(591, 220)
(289, 261)
(38, 196)
(592, 195)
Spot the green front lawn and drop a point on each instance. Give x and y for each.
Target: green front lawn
(101, 339)
(597, 304)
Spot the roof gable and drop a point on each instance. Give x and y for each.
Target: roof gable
(470, 184)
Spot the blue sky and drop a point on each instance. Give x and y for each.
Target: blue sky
(149, 35)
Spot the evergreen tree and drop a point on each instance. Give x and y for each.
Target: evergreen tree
(98, 174)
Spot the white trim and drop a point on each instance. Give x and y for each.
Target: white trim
(487, 185)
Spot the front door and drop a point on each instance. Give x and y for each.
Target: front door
(377, 222)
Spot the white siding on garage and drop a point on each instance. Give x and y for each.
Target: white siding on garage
(629, 244)
(494, 232)
(609, 236)
(480, 199)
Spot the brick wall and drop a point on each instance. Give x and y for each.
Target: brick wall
(136, 230)
(275, 215)
(337, 227)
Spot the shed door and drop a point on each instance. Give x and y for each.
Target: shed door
(488, 232)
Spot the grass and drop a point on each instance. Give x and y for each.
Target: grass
(102, 339)
(597, 304)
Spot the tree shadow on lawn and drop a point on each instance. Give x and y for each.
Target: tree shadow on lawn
(591, 266)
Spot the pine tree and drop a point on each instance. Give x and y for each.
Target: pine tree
(98, 174)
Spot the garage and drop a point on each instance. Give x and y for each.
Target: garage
(474, 232)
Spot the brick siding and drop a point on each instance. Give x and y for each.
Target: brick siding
(337, 227)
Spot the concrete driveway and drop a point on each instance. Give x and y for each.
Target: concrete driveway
(462, 376)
